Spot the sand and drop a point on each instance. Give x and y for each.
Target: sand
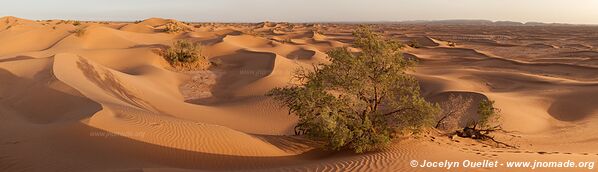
(104, 101)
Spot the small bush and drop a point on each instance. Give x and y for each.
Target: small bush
(413, 44)
(173, 27)
(182, 51)
(185, 55)
(452, 44)
(76, 23)
(487, 114)
(288, 40)
(79, 31)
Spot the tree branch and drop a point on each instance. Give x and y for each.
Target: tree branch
(398, 110)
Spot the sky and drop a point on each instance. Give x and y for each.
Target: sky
(549, 11)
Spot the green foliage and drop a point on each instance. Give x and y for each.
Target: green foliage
(486, 113)
(185, 56)
(360, 99)
(182, 51)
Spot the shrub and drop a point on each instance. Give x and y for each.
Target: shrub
(452, 44)
(79, 31)
(359, 100)
(174, 27)
(487, 114)
(413, 44)
(185, 55)
(479, 127)
(287, 40)
(182, 51)
(76, 23)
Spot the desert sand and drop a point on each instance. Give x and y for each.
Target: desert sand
(105, 101)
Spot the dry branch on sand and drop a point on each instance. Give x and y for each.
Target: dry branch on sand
(478, 127)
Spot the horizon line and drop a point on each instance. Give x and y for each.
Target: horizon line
(414, 21)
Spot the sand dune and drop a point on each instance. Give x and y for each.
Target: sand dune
(140, 28)
(104, 101)
(15, 40)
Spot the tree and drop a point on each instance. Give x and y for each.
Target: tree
(360, 99)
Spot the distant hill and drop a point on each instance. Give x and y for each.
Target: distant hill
(481, 22)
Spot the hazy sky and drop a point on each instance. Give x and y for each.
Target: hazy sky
(562, 11)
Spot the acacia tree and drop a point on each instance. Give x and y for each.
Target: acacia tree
(359, 99)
